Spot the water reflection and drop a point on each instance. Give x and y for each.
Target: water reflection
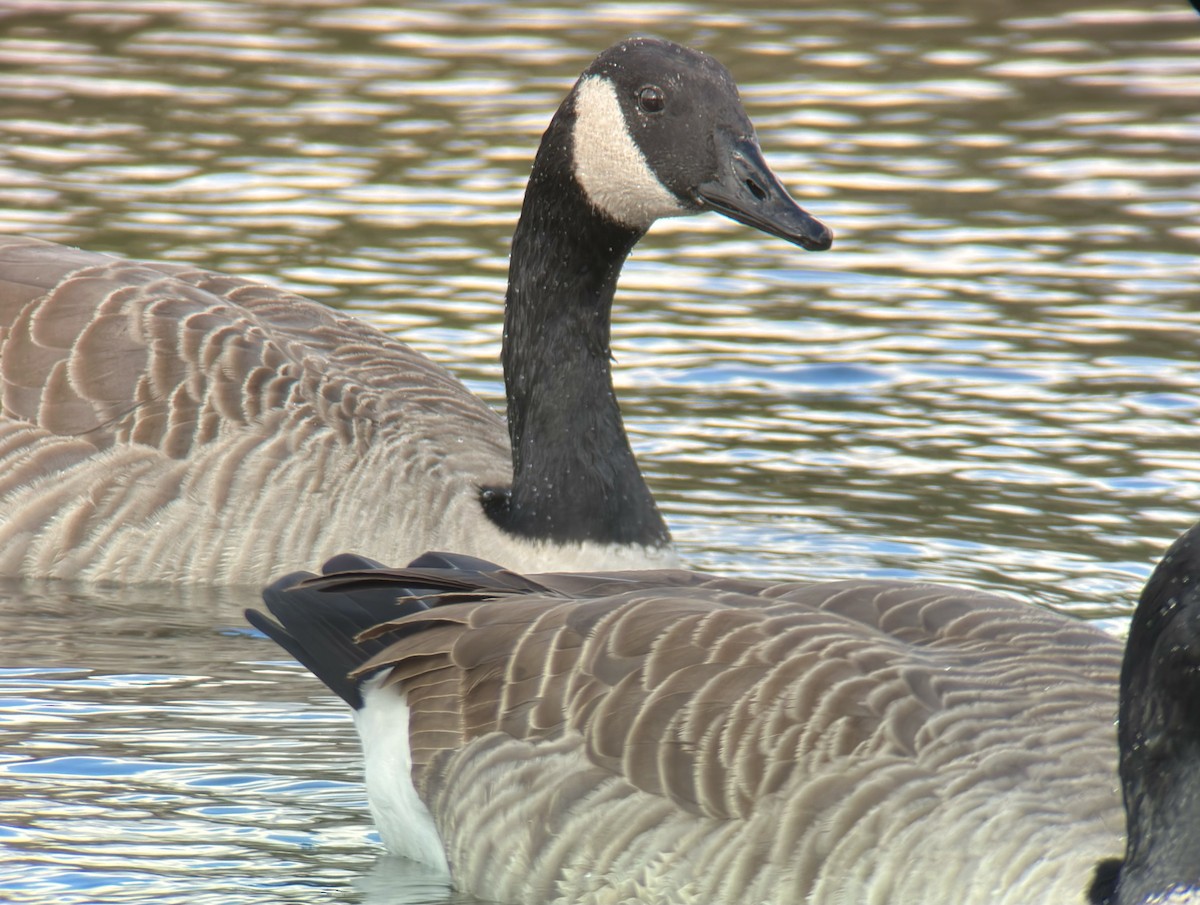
(991, 380)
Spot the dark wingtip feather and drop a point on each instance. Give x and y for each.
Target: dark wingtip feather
(320, 628)
(348, 562)
(322, 618)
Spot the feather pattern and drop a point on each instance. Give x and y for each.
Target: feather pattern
(165, 423)
(676, 737)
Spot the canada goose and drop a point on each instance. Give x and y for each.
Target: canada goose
(676, 737)
(161, 423)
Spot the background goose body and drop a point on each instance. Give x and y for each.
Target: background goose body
(159, 423)
(676, 737)
(164, 423)
(143, 433)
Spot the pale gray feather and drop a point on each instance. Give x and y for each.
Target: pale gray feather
(850, 742)
(164, 423)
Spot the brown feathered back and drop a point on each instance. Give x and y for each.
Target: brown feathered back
(722, 740)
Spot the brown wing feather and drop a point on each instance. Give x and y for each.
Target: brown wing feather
(112, 370)
(167, 339)
(679, 737)
(716, 696)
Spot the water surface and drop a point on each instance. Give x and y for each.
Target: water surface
(991, 379)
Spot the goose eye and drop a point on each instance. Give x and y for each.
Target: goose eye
(651, 99)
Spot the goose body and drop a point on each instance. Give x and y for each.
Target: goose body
(676, 737)
(163, 423)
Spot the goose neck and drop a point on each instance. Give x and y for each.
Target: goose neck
(574, 474)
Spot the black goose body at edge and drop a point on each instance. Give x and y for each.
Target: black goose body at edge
(1159, 730)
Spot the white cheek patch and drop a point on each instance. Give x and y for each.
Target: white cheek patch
(609, 166)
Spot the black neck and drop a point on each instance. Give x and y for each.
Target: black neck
(574, 476)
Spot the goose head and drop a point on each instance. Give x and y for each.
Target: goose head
(651, 129)
(659, 131)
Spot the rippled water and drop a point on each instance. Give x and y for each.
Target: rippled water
(992, 379)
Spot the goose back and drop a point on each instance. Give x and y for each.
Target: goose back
(678, 737)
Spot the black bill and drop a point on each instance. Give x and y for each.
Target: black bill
(747, 191)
